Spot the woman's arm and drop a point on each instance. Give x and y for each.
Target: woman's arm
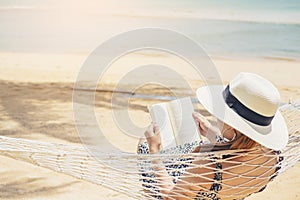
(163, 180)
(186, 187)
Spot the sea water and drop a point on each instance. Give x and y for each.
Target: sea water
(228, 28)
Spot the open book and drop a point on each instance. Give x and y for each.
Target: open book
(175, 121)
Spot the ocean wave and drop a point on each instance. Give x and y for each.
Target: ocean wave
(274, 17)
(292, 19)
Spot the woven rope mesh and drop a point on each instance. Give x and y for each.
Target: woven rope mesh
(145, 176)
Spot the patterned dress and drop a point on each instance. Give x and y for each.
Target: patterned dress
(177, 170)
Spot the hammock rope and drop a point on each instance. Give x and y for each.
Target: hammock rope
(251, 174)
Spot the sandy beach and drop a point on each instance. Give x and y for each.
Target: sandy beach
(36, 103)
(45, 44)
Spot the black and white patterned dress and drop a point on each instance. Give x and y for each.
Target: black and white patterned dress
(178, 169)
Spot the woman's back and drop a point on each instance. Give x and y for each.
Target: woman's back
(231, 176)
(244, 175)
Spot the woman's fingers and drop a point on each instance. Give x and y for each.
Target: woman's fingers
(155, 128)
(198, 115)
(205, 127)
(202, 122)
(153, 138)
(149, 131)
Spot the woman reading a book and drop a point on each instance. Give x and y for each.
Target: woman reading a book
(252, 123)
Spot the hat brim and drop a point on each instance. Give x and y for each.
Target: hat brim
(274, 136)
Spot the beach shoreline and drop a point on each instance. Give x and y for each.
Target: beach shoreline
(64, 67)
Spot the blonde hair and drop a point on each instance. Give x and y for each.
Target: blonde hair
(244, 142)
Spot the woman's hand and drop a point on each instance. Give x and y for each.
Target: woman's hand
(203, 124)
(153, 138)
(205, 127)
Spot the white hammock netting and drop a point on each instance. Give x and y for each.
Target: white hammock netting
(242, 172)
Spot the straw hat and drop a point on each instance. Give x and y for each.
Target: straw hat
(250, 105)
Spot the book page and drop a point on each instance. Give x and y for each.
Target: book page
(183, 123)
(160, 115)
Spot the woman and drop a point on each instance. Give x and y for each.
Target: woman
(248, 108)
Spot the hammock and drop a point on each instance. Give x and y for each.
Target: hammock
(124, 172)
